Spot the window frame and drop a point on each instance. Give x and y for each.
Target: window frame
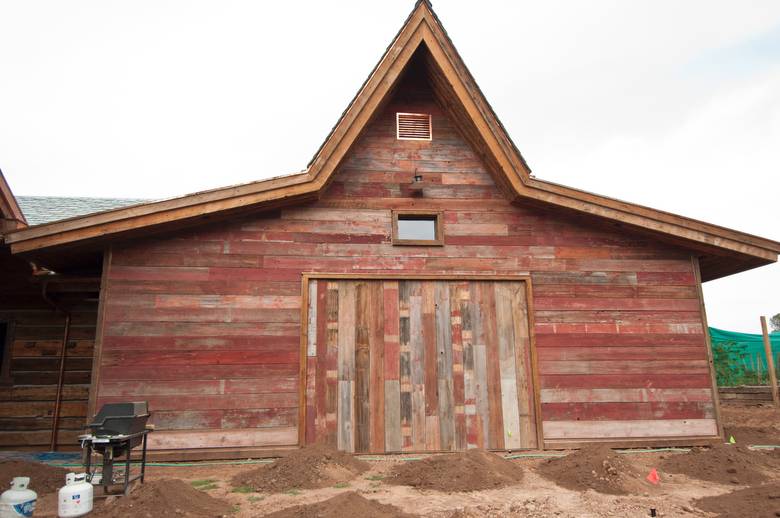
(435, 215)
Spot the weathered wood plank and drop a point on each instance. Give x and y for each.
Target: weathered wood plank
(428, 310)
(444, 374)
(487, 302)
(419, 372)
(346, 366)
(363, 333)
(405, 365)
(480, 367)
(456, 291)
(331, 362)
(392, 392)
(524, 377)
(507, 366)
(376, 339)
(626, 429)
(321, 374)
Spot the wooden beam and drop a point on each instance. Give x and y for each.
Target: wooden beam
(710, 356)
(770, 363)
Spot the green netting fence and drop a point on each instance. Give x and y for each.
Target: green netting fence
(740, 358)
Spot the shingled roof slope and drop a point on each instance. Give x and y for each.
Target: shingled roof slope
(45, 209)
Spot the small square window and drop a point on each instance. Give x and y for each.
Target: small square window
(417, 228)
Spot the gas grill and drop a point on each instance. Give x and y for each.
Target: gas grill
(114, 432)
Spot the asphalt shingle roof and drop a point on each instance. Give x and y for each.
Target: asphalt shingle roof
(45, 209)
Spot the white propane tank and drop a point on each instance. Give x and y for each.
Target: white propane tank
(75, 497)
(18, 501)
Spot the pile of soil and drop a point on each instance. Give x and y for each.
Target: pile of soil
(345, 505)
(473, 470)
(163, 498)
(311, 467)
(43, 478)
(753, 502)
(594, 467)
(722, 463)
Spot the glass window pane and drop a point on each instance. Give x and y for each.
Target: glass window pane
(420, 229)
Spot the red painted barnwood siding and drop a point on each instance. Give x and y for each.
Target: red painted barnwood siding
(205, 324)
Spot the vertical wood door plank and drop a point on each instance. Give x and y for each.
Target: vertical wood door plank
(525, 389)
(362, 367)
(346, 366)
(428, 307)
(331, 361)
(456, 290)
(418, 369)
(480, 366)
(506, 353)
(488, 311)
(320, 385)
(376, 340)
(469, 380)
(311, 408)
(311, 348)
(405, 365)
(444, 374)
(392, 366)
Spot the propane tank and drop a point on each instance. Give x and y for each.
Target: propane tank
(75, 497)
(18, 501)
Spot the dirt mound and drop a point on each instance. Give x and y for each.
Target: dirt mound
(752, 424)
(43, 478)
(763, 435)
(345, 505)
(595, 467)
(162, 499)
(723, 463)
(311, 467)
(753, 502)
(473, 470)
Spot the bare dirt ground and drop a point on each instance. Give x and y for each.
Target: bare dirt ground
(596, 483)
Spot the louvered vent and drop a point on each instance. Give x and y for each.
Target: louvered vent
(413, 126)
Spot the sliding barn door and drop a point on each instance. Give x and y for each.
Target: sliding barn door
(419, 365)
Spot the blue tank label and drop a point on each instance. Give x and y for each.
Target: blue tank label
(25, 508)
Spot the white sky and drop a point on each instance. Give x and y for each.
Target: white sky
(671, 104)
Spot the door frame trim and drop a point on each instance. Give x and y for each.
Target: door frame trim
(304, 335)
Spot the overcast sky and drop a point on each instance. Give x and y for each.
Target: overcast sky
(671, 104)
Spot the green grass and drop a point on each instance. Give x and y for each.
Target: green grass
(204, 485)
(236, 508)
(292, 492)
(243, 489)
(341, 485)
(252, 499)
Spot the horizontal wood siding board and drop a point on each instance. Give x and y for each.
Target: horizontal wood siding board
(619, 429)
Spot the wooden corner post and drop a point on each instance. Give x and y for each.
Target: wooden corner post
(770, 363)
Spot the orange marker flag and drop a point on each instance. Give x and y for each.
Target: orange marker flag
(653, 477)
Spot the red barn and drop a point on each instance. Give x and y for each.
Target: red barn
(414, 289)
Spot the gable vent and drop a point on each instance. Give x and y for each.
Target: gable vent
(413, 126)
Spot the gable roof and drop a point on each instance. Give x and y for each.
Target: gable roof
(46, 209)
(11, 215)
(723, 251)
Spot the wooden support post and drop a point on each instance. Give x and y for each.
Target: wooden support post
(770, 363)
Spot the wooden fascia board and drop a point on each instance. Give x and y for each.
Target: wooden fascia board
(652, 219)
(9, 207)
(158, 213)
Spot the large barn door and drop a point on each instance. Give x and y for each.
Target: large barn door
(419, 365)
